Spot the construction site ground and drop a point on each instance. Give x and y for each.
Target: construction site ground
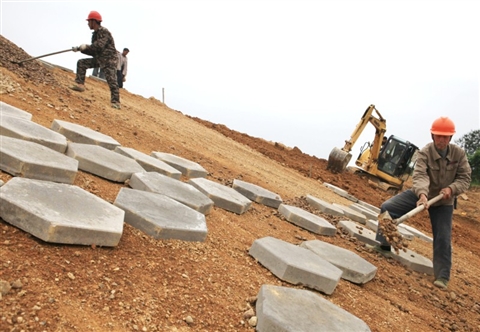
(145, 284)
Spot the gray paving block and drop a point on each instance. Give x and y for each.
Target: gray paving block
(414, 261)
(35, 161)
(80, 134)
(307, 220)
(352, 214)
(160, 216)
(7, 109)
(257, 194)
(175, 189)
(222, 196)
(358, 231)
(149, 163)
(323, 206)
(369, 214)
(369, 206)
(341, 192)
(285, 309)
(60, 213)
(416, 232)
(102, 162)
(27, 130)
(355, 268)
(188, 168)
(296, 265)
(373, 225)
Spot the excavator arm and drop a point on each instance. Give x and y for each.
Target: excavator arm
(339, 158)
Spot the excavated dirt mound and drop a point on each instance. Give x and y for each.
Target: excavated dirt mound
(149, 285)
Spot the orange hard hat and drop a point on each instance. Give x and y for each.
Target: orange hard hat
(94, 15)
(443, 126)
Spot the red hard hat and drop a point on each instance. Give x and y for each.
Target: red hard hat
(443, 126)
(94, 15)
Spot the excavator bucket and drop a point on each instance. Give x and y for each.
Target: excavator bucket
(338, 160)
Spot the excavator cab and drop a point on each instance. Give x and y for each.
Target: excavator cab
(397, 157)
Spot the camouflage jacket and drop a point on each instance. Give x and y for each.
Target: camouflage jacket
(103, 48)
(433, 173)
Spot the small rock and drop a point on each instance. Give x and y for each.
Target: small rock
(4, 287)
(252, 321)
(189, 320)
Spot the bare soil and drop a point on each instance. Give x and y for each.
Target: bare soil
(145, 284)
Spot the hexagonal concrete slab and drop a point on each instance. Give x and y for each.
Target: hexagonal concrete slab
(60, 213)
(160, 216)
(257, 194)
(149, 163)
(175, 189)
(307, 220)
(323, 206)
(296, 265)
(6, 109)
(27, 130)
(80, 134)
(35, 161)
(224, 197)
(189, 168)
(291, 310)
(105, 163)
(355, 268)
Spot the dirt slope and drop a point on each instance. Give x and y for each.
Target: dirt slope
(149, 285)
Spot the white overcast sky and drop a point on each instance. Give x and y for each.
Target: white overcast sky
(296, 72)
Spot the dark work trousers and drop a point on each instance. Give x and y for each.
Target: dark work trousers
(441, 221)
(110, 76)
(120, 78)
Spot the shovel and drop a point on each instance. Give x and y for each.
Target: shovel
(41, 56)
(388, 226)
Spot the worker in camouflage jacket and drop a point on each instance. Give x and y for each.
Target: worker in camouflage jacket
(104, 55)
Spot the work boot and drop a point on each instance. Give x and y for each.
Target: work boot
(383, 251)
(441, 283)
(116, 106)
(78, 87)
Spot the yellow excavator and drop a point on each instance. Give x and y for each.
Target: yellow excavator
(388, 161)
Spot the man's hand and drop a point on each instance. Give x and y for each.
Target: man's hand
(75, 48)
(423, 201)
(83, 47)
(124, 79)
(447, 192)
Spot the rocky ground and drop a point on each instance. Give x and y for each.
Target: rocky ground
(150, 285)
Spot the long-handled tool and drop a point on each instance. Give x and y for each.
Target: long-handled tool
(41, 56)
(388, 226)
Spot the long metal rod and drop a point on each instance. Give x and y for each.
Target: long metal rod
(417, 209)
(42, 56)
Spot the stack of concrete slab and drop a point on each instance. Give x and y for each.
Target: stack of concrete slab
(57, 213)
